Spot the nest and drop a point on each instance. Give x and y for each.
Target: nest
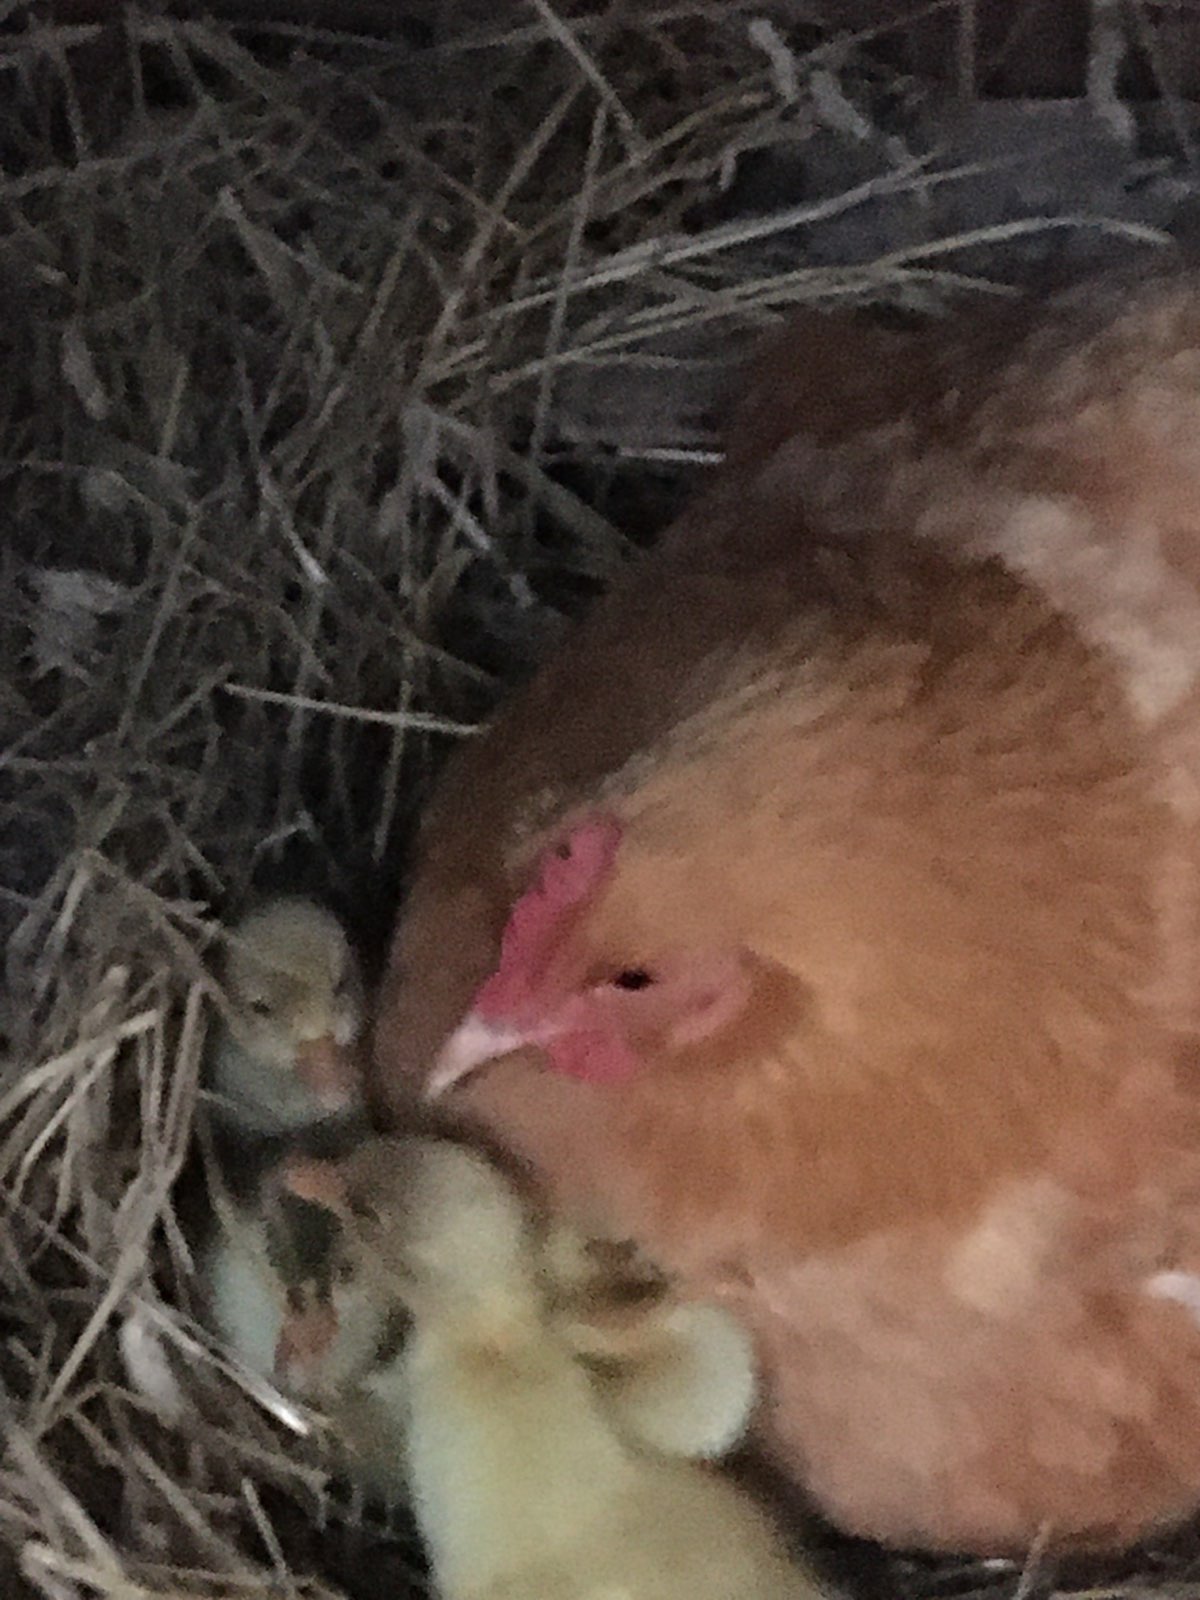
(339, 374)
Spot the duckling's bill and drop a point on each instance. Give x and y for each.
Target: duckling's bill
(330, 1071)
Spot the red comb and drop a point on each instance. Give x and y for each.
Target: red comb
(568, 875)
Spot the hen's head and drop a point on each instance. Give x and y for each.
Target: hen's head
(598, 1008)
(836, 947)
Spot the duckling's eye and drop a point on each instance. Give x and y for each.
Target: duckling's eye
(261, 1008)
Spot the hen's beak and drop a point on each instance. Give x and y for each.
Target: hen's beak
(472, 1044)
(328, 1071)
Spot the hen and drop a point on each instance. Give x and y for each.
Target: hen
(825, 917)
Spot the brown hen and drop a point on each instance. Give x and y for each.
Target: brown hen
(825, 916)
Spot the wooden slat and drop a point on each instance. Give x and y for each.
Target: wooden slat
(1171, 53)
(1020, 49)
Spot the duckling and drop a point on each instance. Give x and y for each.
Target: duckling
(522, 1483)
(344, 1352)
(350, 1365)
(266, 1271)
(284, 1055)
(669, 1371)
(284, 1071)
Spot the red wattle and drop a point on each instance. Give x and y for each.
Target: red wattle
(592, 1056)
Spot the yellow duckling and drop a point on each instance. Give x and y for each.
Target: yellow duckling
(524, 1481)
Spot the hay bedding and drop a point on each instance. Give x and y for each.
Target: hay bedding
(337, 373)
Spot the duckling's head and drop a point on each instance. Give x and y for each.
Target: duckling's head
(286, 1054)
(464, 1224)
(435, 1221)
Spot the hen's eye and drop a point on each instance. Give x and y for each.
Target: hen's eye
(261, 1008)
(632, 978)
